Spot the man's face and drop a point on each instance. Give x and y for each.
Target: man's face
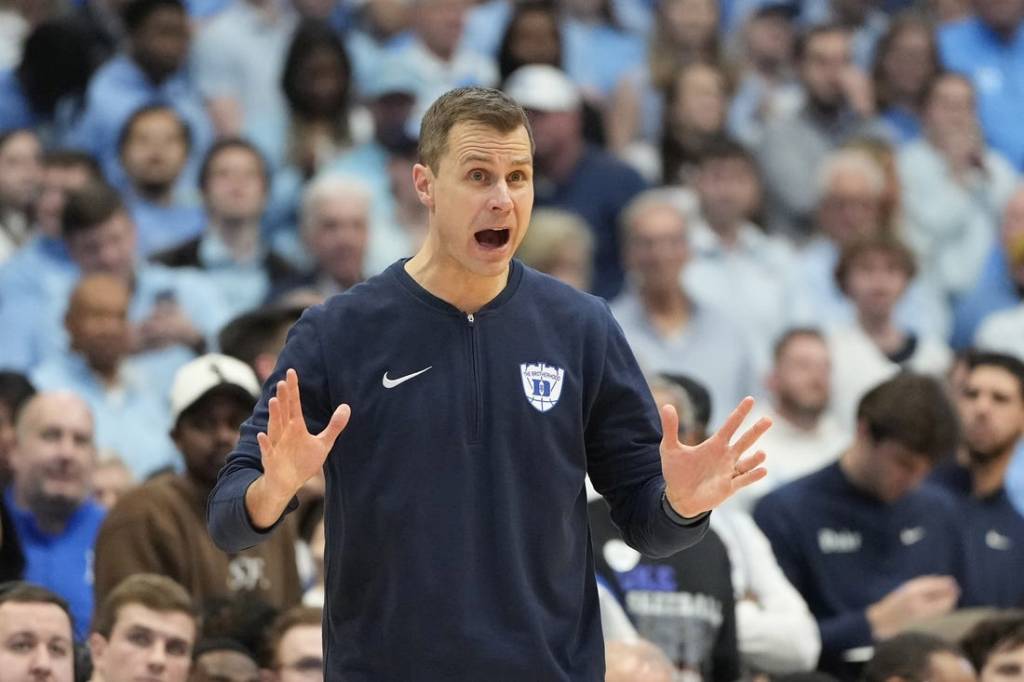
(825, 60)
(145, 645)
(300, 655)
(480, 199)
(160, 45)
(894, 471)
(155, 151)
(20, 170)
(656, 249)
(36, 643)
(551, 131)
(108, 247)
(728, 189)
(97, 322)
(337, 234)
(948, 667)
(236, 188)
(208, 430)
(992, 412)
(439, 24)
(225, 666)
(801, 381)
(875, 281)
(54, 456)
(850, 208)
(58, 182)
(1005, 664)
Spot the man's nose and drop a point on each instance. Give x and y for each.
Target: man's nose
(501, 198)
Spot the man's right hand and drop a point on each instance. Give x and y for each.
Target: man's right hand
(290, 454)
(921, 598)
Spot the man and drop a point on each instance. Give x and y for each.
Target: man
(996, 648)
(977, 46)
(144, 532)
(145, 629)
(916, 657)
(737, 269)
(130, 418)
(223, 660)
(152, 69)
(294, 646)
(792, 149)
(573, 174)
(668, 331)
(870, 549)
(49, 498)
(36, 639)
(235, 182)
(257, 337)
(153, 147)
(20, 175)
(335, 227)
(484, 471)
(805, 436)
(992, 413)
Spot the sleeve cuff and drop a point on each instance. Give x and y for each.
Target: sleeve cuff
(679, 519)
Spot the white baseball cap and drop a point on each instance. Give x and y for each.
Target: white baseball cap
(200, 376)
(542, 88)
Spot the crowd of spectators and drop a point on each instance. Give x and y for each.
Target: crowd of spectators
(815, 202)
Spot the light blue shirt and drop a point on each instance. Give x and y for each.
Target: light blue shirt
(486, 23)
(995, 290)
(115, 92)
(131, 418)
(164, 227)
(709, 348)
(598, 56)
(996, 68)
(1015, 478)
(243, 285)
(15, 111)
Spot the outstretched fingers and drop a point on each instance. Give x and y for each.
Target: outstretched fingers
(751, 435)
(749, 470)
(339, 420)
(669, 425)
(275, 422)
(295, 404)
(728, 429)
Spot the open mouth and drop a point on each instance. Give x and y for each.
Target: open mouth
(493, 238)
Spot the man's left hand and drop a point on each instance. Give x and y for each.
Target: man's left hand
(699, 478)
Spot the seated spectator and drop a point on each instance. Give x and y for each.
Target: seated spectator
(775, 631)
(15, 391)
(992, 414)
(111, 479)
(153, 148)
(152, 69)
(852, 205)
(906, 61)
(874, 272)
(916, 657)
(174, 312)
(988, 313)
(559, 244)
(211, 397)
(130, 417)
(20, 176)
(44, 90)
(36, 638)
(954, 186)
(572, 174)
(294, 647)
(805, 435)
(223, 660)
(145, 629)
(694, 118)
(235, 181)
(533, 35)
(638, 661)
(257, 337)
(668, 331)
(335, 228)
(792, 149)
(870, 549)
(49, 499)
(736, 268)
(996, 648)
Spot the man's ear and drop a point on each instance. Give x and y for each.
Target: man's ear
(97, 648)
(423, 181)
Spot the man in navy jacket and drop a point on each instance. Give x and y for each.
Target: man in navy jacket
(481, 392)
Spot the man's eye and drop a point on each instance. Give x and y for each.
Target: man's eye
(518, 176)
(477, 176)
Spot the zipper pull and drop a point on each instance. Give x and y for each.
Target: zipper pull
(470, 318)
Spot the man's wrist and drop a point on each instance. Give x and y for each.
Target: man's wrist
(678, 518)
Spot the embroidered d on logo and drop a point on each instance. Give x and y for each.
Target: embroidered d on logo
(542, 384)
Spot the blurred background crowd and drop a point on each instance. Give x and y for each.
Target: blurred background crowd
(815, 202)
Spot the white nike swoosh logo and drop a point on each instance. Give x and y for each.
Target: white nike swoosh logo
(391, 383)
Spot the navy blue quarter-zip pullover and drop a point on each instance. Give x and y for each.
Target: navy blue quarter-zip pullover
(456, 514)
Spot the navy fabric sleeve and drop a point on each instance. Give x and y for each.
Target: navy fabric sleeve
(843, 632)
(227, 518)
(623, 436)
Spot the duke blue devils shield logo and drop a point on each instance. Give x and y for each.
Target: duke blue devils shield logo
(542, 384)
